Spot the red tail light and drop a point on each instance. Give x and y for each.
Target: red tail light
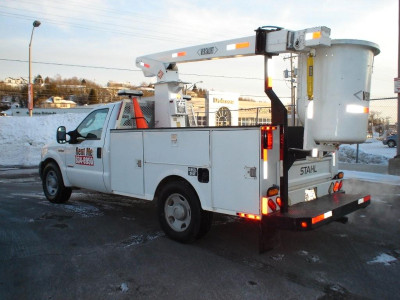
(336, 186)
(279, 201)
(340, 184)
(271, 204)
(267, 140)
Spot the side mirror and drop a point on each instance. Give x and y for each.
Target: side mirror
(61, 135)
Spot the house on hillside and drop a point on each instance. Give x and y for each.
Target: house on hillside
(58, 102)
(9, 102)
(15, 82)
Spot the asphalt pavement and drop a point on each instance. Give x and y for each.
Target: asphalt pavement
(100, 246)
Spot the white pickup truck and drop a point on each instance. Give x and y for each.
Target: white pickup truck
(193, 172)
(283, 177)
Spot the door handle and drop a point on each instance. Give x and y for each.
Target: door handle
(98, 152)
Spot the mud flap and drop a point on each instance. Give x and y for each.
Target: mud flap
(268, 236)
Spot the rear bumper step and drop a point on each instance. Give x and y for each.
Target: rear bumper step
(310, 215)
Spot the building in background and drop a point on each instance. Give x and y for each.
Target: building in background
(15, 82)
(230, 111)
(58, 102)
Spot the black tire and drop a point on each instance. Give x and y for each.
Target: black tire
(391, 143)
(53, 184)
(179, 211)
(206, 223)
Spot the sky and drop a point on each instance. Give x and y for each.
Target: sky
(109, 35)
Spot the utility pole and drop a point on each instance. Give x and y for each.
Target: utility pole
(292, 90)
(398, 94)
(394, 163)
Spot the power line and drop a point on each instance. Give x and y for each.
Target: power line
(99, 28)
(130, 70)
(70, 65)
(133, 70)
(111, 26)
(104, 13)
(131, 16)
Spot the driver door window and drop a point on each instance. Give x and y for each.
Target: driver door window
(92, 126)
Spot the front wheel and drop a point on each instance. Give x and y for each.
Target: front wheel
(53, 185)
(179, 211)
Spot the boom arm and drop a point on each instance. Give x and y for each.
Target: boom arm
(277, 41)
(267, 42)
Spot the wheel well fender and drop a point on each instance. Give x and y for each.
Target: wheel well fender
(43, 165)
(173, 178)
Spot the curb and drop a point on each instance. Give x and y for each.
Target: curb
(18, 172)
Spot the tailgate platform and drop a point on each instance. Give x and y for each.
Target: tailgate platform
(312, 214)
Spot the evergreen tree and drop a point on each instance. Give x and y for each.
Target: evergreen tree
(93, 99)
(38, 80)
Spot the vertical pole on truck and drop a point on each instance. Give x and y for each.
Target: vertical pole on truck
(269, 235)
(279, 117)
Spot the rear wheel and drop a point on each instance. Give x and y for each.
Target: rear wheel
(391, 143)
(53, 185)
(206, 223)
(179, 212)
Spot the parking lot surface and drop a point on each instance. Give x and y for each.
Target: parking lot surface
(109, 247)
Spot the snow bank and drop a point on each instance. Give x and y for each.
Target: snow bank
(347, 154)
(371, 152)
(21, 138)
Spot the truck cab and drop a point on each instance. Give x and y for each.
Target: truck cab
(83, 160)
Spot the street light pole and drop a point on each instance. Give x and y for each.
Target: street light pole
(36, 23)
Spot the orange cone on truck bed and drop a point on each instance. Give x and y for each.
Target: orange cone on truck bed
(140, 120)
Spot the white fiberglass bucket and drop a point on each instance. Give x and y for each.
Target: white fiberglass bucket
(342, 83)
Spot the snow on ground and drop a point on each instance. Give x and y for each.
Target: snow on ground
(383, 258)
(371, 152)
(21, 140)
(373, 177)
